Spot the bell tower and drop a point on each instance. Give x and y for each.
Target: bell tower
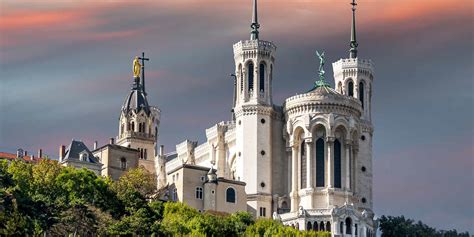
(354, 77)
(139, 122)
(254, 114)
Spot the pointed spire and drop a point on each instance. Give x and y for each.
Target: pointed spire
(354, 44)
(254, 25)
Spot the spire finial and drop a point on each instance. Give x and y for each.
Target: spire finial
(354, 44)
(254, 25)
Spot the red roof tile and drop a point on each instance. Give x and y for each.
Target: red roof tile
(10, 156)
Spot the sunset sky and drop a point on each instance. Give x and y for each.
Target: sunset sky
(66, 69)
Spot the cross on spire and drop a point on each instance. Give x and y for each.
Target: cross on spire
(143, 59)
(354, 44)
(254, 25)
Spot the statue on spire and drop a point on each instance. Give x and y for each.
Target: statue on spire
(321, 72)
(136, 68)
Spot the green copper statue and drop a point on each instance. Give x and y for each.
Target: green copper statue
(321, 65)
(321, 82)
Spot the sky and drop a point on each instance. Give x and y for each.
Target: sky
(66, 67)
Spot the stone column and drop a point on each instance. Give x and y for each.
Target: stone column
(309, 163)
(343, 228)
(294, 177)
(330, 168)
(353, 230)
(221, 159)
(349, 165)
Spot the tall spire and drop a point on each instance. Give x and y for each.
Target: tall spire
(354, 44)
(254, 25)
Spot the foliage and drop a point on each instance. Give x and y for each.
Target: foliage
(399, 226)
(52, 200)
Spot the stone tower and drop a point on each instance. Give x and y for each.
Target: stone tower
(254, 112)
(354, 77)
(139, 123)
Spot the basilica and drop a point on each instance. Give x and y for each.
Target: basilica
(306, 163)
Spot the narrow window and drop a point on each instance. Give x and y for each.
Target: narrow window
(175, 194)
(123, 163)
(315, 226)
(250, 76)
(121, 129)
(337, 164)
(230, 195)
(241, 75)
(308, 226)
(321, 226)
(320, 162)
(303, 165)
(348, 225)
(133, 126)
(328, 226)
(263, 211)
(361, 93)
(199, 193)
(144, 154)
(350, 89)
(262, 77)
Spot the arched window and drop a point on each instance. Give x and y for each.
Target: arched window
(308, 226)
(350, 88)
(321, 226)
(303, 165)
(199, 193)
(337, 164)
(250, 76)
(133, 126)
(315, 226)
(320, 162)
(123, 163)
(348, 225)
(262, 77)
(230, 195)
(328, 226)
(361, 93)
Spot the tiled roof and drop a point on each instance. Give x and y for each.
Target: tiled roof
(10, 156)
(75, 149)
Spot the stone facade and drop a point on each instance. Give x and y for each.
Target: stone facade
(116, 159)
(307, 163)
(200, 188)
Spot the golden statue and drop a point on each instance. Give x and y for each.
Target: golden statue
(137, 67)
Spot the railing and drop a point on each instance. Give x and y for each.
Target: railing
(136, 134)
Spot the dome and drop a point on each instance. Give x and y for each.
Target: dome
(322, 98)
(136, 100)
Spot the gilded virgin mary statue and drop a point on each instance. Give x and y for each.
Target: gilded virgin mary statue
(136, 68)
